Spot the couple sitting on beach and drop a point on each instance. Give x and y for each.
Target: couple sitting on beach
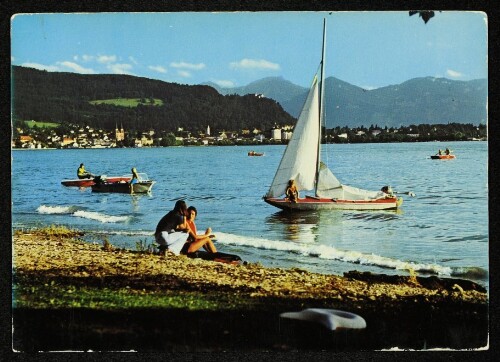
(176, 232)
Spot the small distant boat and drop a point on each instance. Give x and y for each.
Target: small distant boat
(143, 186)
(443, 157)
(301, 163)
(253, 153)
(87, 182)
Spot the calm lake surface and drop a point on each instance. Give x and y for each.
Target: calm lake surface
(441, 231)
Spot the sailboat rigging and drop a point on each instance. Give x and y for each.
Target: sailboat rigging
(301, 162)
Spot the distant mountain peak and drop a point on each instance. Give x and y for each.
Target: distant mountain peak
(415, 101)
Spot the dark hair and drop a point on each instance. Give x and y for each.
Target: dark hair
(192, 208)
(81, 164)
(180, 205)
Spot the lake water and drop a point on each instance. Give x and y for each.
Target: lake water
(441, 231)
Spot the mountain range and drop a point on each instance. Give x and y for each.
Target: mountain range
(96, 100)
(426, 100)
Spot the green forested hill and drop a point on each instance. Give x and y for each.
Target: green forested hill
(145, 103)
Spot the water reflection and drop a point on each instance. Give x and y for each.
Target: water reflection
(382, 215)
(135, 203)
(304, 227)
(297, 227)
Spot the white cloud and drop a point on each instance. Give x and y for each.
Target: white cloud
(224, 83)
(157, 68)
(106, 59)
(76, 67)
(133, 60)
(454, 74)
(184, 73)
(254, 64)
(120, 68)
(49, 68)
(190, 66)
(86, 58)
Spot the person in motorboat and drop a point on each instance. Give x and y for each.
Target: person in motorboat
(134, 179)
(82, 173)
(172, 230)
(291, 193)
(447, 151)
(440, 152)
(196, 241)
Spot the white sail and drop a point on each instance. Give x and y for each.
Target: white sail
(299, 160)
(330, 187)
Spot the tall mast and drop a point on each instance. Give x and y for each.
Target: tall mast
(321, 91)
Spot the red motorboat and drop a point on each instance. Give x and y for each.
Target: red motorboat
(87, 182)
(443, 157)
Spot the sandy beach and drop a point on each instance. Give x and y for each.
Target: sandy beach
(73, 295)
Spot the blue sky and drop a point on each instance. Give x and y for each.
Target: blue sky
(367, 49)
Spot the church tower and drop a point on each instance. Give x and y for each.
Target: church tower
(119, 133)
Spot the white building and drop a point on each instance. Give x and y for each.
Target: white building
(276, 134)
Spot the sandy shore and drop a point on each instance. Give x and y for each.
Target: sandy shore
(221, 306)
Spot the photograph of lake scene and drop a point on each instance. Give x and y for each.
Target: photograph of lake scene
(337, 163)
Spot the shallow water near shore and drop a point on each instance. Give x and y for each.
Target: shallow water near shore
(442, 231)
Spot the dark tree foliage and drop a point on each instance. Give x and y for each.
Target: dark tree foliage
(66, 98)
(426, 15)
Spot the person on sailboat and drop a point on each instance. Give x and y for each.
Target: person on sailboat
(292, 194)
(385, 192)
(82, 173)
(195, 241)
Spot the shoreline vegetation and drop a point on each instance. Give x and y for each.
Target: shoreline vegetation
(69, 294)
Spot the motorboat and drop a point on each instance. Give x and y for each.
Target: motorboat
(87, 182)
(142, 186)
(443, 157)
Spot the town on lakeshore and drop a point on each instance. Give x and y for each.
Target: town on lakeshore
(42, 135)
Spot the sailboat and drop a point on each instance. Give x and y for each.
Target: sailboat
(301, 162)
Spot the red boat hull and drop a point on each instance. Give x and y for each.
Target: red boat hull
(313, 203)
(87, 182)
(442, 157)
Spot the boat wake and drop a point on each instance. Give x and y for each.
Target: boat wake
(331, 253)
(44, 209)
(101, 217)
(79, 212)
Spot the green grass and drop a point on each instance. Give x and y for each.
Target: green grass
(54, 295)
(128, 102)
(30, 124)
(52, 231)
